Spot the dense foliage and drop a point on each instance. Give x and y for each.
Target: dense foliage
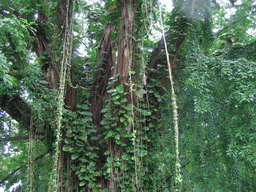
(86, 102)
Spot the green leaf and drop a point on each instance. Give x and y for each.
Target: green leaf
(140, 93)
(145, 112)
(78, 149)
(70, 135)
(113, 124)
(117, 102)
(115, 98)
(94, 138)
(69, 140)
(123, 100)
(83, 121)
(117, 137)
(87, 178)
(88, 118)
(90, 148)
(121, 111)
(79, 143)
(97, 173)
(111, 133)
(74, 156)
(108, 115)
(91, 185)
(129, 118)
(129, 107)
(120, 88)
(125, 156)
(84, 169)
(107, 152)
(111, 91)
(82, 183)
(127, 135)
(67, 148)
(44, 82)
(104, 122)
(83, 159)
(104, 110)
(127, 127)
(87, 113)
(122, 119)
(8, 79)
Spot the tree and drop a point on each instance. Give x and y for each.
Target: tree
(104, 121)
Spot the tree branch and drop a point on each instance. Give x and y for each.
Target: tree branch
(221, 30)
(20, 138)
(13, 172)
(15, 107)
(157, 52)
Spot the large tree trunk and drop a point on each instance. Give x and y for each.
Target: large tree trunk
(69, 180)
(126, 50)
(105, 62)
(126, 41)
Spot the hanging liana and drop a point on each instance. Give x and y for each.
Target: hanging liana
(65, 65)
(178, 178)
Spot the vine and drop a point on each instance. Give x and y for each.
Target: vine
(65, 65)
(116, 124)
(175, 112)
(84, 156)
(30, 166)
(128, 171)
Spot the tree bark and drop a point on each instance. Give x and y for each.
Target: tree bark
(106, 60)
(126, 49)
(65, 29)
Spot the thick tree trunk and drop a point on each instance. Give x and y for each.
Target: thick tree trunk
(65, 29)
(105, 61)
(125, 64)
(126, 42)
